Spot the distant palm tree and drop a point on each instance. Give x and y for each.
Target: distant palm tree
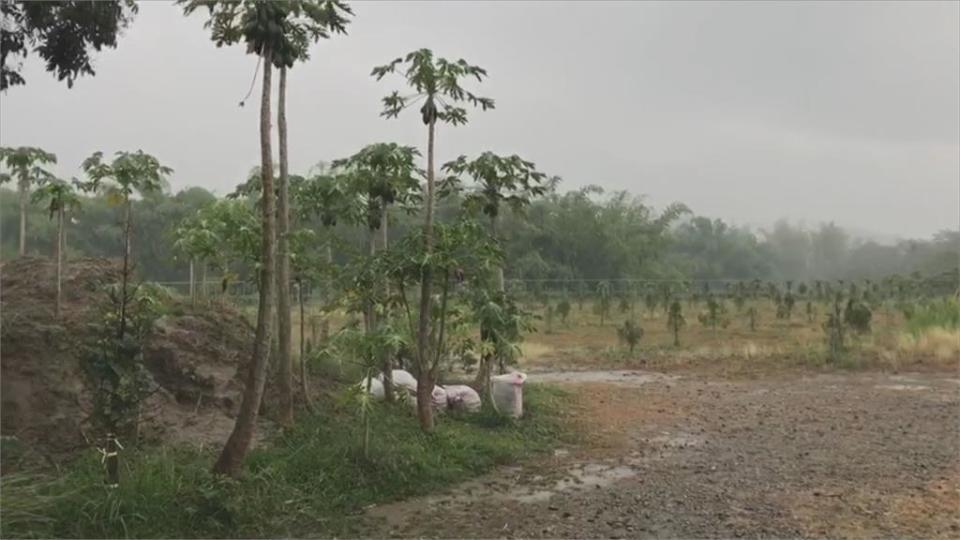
(60, 197)
(24, 164)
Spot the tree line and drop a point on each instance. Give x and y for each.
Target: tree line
(573, 234)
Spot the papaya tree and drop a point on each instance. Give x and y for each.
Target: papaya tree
(459, 248)
(260, 26)
(379, 176)
(304, 21)
(25, 165)
(128, 174)
(675, 321)
(497, 181)
(59, 197)
(437, 83)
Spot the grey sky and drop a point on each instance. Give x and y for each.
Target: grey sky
(746, 111)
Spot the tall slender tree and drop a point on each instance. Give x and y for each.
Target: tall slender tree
(437, 83)
(128, 174)
(60, 197)
(305, 21)
(260, 26)
(25, 164)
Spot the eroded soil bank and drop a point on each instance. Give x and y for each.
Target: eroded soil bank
(852, 454)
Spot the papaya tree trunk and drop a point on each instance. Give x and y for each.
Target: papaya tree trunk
(127, 233)
(59, 255)
(424, 384)
(285, 358)
(238, 444)
(193, 284)
(23, 189)
(387, 362)
(485, 367)
(303, 350)
(203, 279)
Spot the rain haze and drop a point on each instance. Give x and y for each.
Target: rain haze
(846, 112)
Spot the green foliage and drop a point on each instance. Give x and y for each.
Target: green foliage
(835, 328)
(499, 181)
(310, 480)
(675, 321)
(128, 173)
(857, 315)
(437, 82)
(380, 175)
(64, 34)
(25, 164)
(630, 334)
(284, 29)
(943, 313)
(714, 316)
(57, 194)
(563, 309)
(112, 360)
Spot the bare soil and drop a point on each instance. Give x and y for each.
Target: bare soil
(195, 356)
(690, 455)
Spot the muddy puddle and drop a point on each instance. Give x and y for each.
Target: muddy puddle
(623, 376)
(511, 485)
(516, 485)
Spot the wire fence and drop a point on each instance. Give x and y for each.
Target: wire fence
(544, 290)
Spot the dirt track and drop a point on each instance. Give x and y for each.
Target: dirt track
(861, 455)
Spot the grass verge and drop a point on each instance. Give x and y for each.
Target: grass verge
(310, 481)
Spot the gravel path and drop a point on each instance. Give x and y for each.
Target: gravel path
(861, 455)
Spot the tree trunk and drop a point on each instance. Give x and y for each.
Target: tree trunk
(23, 189)
(485, 367)
(203, 279)
(235, 450)
(424, 385)
(327, 294)
(387, 362)
(59, 250)
(284, 331)
(125, 279)
(303, 351)
(499, 272)
(193, 283)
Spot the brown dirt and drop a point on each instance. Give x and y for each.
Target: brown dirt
(824, 455)
(194, 356)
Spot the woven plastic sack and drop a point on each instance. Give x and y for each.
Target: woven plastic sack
(506, 392)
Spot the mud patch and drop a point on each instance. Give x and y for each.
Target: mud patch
(623, 377)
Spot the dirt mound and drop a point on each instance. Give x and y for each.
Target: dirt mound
(195, 356)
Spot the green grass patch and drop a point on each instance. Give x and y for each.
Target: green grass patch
(942, 313)
(312, 480)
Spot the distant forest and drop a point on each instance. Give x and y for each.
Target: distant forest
(578, 234)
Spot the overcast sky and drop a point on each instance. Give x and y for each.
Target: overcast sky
(746, 111)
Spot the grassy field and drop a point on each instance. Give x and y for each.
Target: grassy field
(582, 342)
(930, 337)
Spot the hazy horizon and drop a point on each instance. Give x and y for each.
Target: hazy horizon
(744, 111)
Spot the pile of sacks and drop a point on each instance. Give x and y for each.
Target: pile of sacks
(506, 392)
(457, 397)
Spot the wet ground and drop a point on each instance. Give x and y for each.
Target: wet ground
(861, 455)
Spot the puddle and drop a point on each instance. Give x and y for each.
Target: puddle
(624, 376)
(902, 387)
(509, 488)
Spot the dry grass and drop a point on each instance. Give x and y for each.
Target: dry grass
(775, 344)
(939, 343)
